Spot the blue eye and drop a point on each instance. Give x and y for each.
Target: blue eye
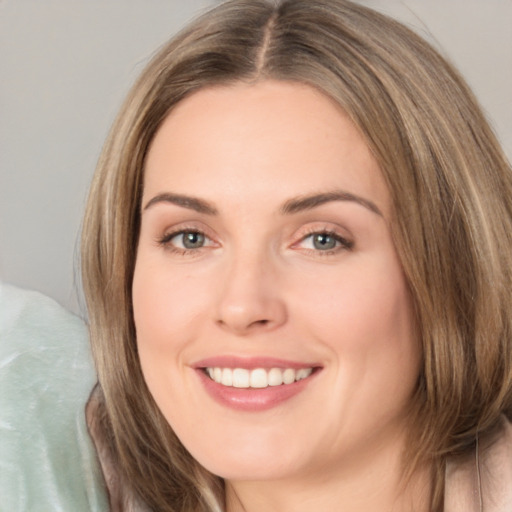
(191, 239)
(185, 240)
(325, 241)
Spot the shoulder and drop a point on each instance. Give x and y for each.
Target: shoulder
(46, 374)
(482, 480)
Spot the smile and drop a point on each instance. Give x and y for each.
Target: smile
(254, 384)
(256, 378)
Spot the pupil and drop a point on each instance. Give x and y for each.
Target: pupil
(324, 241)
(193, 240)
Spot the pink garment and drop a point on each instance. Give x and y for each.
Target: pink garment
(482, 482)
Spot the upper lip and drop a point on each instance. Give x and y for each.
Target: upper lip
(251, 363)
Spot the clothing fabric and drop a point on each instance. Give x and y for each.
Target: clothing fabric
(482, 481)
(47, 459)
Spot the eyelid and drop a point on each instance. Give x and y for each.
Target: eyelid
(173, 234)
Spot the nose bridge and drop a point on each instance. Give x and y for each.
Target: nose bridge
(250, 297)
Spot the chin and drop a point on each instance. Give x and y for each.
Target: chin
(256, 462)
(244, 470)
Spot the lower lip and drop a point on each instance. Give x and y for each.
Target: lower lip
(252, 399)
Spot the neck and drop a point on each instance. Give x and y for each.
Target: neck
(376, 484)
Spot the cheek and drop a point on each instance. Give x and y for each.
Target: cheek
(365, 305)
(365, 318)
(166, 309)
(166, 306)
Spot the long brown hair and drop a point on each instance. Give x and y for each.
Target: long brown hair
(451, 188)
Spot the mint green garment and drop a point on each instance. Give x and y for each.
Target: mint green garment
(47, 461)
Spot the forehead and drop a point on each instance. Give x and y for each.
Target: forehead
(247, 138)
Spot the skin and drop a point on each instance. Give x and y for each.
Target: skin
(260, 287)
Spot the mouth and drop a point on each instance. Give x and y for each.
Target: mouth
(254, 383)
(257, 378)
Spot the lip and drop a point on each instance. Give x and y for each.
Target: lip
(251, 399)
(251, 363)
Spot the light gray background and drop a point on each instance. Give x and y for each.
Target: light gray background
(66, 65)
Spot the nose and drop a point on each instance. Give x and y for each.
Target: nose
(251, 298)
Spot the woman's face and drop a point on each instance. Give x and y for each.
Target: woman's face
(274, 324)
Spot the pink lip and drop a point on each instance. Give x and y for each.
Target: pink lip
(250, 363)
(248, 399)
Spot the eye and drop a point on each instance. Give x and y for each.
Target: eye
(325, 241)
(185, 240)
(188, 240)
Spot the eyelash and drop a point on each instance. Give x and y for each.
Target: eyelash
(344, 244)
(165, 241)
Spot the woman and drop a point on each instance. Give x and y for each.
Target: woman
(296, 257)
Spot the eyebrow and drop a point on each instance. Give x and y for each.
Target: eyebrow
(299, 204)
(192, 203)
(294, 205)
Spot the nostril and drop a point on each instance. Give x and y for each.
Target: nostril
(261, 322)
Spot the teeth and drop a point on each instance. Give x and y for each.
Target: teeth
(303, 373)
(257, 378)
(241, 378)
(227, 377)
(275, 377)
(288, 376)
